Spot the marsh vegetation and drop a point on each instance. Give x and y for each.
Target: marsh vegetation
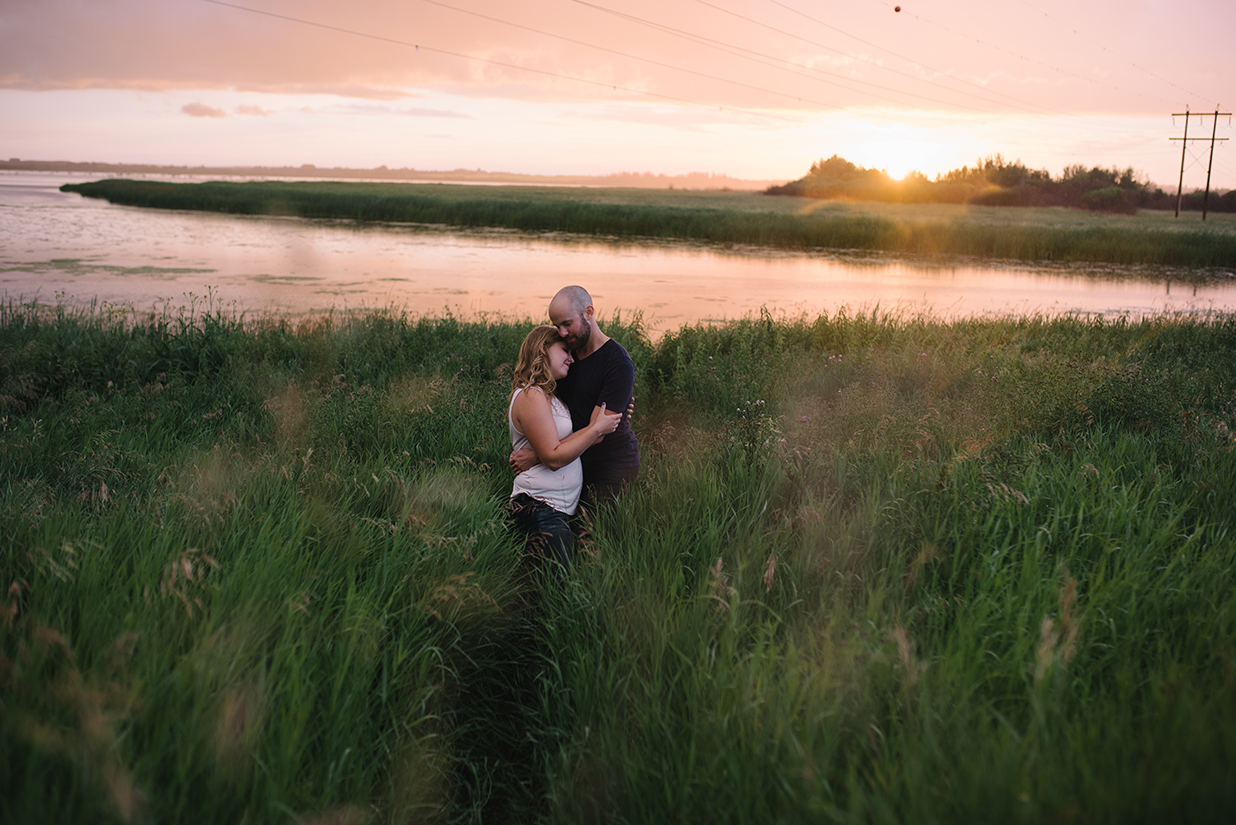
(1042, 234)
(876, 568)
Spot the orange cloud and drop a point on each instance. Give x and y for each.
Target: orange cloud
(251, 110)
(202, 110)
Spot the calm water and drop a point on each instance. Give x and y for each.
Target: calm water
(56, 245)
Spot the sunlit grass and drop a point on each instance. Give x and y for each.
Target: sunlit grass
(876, 568)
(1054, 234)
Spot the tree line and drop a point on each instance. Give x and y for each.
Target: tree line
(993, 181)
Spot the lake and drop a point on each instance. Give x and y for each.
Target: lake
(61, 246)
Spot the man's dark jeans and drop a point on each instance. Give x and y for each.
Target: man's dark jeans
(547, 536)
(603, 484)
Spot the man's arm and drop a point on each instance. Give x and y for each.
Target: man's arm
(521, 460)
(618, 385)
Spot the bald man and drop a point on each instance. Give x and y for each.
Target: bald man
(602, 373)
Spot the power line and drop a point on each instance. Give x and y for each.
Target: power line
(626, 54)
(1021, 56)
(740, 51)
(743, 52)
(1222, 163)
(857, 57)
(418, 47)
(735, 51)
(898, 55)
(728, 48)
(1104, 48)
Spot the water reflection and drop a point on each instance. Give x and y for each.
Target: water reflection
(56, 243)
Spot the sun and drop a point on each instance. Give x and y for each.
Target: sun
(897, 171)
(899, 157)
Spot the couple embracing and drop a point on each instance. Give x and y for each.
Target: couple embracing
(569, 417)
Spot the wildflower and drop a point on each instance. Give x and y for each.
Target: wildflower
(1058, 643)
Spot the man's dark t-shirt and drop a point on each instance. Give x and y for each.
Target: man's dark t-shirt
(608, 375)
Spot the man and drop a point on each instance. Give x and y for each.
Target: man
(602, 373)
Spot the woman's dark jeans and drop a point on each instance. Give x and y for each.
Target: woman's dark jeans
(548, 542)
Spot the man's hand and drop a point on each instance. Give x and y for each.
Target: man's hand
(522, 460)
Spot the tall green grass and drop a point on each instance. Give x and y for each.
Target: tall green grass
(943, 231)
(875, 568)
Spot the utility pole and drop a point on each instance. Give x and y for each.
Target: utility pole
(1184, 145)
(1209, 164)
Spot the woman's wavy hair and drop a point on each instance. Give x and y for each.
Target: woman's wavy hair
(532, 368)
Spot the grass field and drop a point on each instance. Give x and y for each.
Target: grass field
(1053, 234)
(875, 569)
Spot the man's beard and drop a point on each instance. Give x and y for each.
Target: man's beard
(578, 342)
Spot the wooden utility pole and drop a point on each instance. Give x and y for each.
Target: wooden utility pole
(1184, 145)
(1210, 164)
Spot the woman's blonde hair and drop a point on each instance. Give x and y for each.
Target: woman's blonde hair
(532, 368)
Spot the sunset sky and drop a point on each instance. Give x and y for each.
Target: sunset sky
(748, 88)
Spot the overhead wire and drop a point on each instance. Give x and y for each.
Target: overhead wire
(1026, 58)
(559, 75)
(859, 58)
(898, 55)
(757, 57)
(763, 58)
(1222, 160)
(779, 63)
(604, 84)
(514, 66)
(1104, 48)
(628, 55)
(731, 48)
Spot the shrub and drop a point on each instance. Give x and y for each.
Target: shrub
(1109, 199)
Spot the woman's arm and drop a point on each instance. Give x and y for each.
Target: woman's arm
(534, 417)
(525, 459)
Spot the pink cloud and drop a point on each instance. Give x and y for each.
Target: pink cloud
(202, 110)
(251, 110)
(977, 57)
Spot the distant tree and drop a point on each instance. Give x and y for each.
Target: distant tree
(992, 181)
(963, 175)
(1109, 199)
(837, 178)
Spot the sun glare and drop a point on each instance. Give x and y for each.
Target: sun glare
(899, 157)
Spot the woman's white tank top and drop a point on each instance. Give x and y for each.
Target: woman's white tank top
(560, 488)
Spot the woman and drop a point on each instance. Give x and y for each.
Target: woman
(545, 495)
